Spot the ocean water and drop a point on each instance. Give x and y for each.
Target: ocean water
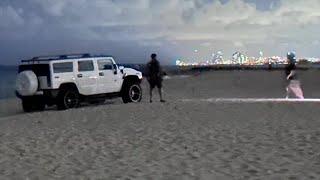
(7, 82)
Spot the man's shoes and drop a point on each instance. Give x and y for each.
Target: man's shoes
(150, 101)
(163, 101)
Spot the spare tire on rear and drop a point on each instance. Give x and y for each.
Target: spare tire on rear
(27, 83)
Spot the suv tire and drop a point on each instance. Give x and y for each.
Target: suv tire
(32, 104)
(132, 93)
(68, 99)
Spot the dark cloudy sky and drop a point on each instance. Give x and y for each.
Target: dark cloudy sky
(132, 29)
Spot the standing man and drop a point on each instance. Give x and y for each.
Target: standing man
(154, 75)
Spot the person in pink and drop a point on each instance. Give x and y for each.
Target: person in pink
(294, 87)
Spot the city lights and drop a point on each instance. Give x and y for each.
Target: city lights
(239, 58)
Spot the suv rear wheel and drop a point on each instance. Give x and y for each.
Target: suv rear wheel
(68, 99)
(132, 92)
(32, 104)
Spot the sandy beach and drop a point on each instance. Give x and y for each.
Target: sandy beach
(175, 140)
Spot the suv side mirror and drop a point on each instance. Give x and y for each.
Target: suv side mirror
(121, 69)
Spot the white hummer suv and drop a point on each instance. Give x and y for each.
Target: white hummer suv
(67, 80)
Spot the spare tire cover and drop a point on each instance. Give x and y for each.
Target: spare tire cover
(27, 83)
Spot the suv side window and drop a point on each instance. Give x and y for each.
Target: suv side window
(85, 66)
(64, 67)
(105, 64)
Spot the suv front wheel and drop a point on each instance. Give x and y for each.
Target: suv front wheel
(68, 99)
(132, 93)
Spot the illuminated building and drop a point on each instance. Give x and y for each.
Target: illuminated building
(241, 59)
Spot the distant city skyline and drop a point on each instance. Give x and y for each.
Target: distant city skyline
(241, 58)
(131, 30)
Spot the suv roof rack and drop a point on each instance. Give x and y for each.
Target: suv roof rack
(62, 57)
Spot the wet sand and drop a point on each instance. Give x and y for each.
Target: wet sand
(175, 140)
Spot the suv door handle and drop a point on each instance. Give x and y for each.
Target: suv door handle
(80, 75)
(101, 74)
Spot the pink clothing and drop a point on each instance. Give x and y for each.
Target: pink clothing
(294, 90)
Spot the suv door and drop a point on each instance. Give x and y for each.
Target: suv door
(117, 78)
(86, 77)
(106, 83)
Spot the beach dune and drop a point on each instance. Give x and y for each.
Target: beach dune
(174, 140)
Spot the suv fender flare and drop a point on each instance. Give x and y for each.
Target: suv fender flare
(68, 85)
(130, 79)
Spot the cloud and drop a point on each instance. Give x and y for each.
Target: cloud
(54, 8)
(176, 19)
(238, 44)
(10, 17)
(230, 24)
